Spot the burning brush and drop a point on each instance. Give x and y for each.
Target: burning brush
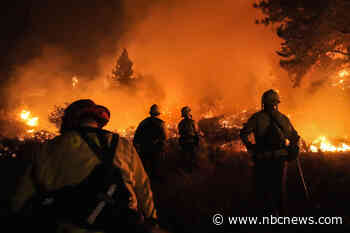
(322, 144)
(28, 119)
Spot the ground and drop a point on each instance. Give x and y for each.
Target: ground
(222, 184)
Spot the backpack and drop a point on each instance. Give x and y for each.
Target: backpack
(99, 201)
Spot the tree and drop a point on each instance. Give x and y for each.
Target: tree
(315, 33)
(123, 71)
(55, 117)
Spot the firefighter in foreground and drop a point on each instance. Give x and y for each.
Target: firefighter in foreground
(150, 141)
(68, 183)
(276, 144)
(189, 137)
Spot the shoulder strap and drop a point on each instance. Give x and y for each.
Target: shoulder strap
(104, 153)
(273, 120)
(110, 174)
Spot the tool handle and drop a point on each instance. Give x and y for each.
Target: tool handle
(92, 217)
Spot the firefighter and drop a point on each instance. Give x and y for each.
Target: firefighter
(189, 137)
(150, 141)
(66, 161)
(276, 143)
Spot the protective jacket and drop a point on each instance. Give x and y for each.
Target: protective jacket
(270, 132)
(188, 131)
(150, 135)
(271, 129)
(67, 160)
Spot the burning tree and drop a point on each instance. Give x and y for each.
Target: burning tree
(315, 34)
(123, 71)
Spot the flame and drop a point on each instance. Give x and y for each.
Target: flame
(208, 114)
(324, 145)
(28, 119)
(343, 73)
(25, 114)
(234, 120)
(75, 81)
(33, 121)
(341, 79)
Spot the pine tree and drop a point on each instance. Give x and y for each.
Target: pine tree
(315, 34)
(123, 71)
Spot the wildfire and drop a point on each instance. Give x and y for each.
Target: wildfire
(324, 145)
(28, 119)
(343, 73)
(341, 79)
(25, 114)
(208, 114)
(234, 120)
(75, 81)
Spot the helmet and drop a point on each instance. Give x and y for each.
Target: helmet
(185, 111)
(81, 109)
(270, 97)
(101, 114)
(154, 111)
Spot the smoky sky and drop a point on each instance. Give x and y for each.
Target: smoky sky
(204, 54)
(84, 29)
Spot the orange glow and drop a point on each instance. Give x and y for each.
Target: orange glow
(28, 119)
(25, 114)
(340, 80)
(33, 121)
(75, 81)
(190, 58)
(324, 145)
(343, 73)
(208, 114)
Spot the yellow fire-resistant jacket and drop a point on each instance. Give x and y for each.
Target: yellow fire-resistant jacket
(67, 160)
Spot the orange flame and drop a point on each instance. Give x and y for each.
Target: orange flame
(75, 81)
(341, 79)
(324, 145)
(28, 119)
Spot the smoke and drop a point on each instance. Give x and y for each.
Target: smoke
(199, 54)
(205, 53)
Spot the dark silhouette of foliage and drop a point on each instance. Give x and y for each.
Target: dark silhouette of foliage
(315, 33)
(123, 71)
